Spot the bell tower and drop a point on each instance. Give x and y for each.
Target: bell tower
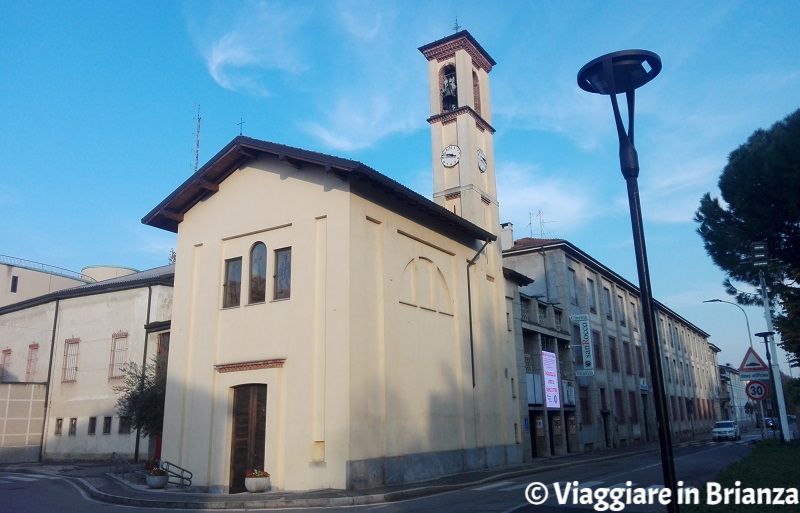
(461, 130)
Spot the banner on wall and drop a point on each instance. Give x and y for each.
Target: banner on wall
(550, 368)
(586, 345)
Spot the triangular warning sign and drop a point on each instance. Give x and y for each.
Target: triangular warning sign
(752, 362)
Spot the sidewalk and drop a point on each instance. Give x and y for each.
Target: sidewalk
(98, 482)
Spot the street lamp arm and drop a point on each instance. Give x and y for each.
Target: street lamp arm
(746, 319)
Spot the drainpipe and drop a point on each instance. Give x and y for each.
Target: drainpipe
(469, 310)
(49, 383)
(144, 362)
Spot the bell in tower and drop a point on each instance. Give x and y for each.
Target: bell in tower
(449, 89)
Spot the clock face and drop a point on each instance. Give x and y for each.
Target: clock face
(481, 161)
(450, 155)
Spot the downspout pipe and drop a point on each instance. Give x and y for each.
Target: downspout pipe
(469, 310)
(49, 382)
(144, 363)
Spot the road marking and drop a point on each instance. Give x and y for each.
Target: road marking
(493, 485)
(20, 478)
(623, 485)
(589, 484)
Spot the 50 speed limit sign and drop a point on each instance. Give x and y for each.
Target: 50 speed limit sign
(756, 390)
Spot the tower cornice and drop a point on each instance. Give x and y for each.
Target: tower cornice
(450, 117)
(446, 48)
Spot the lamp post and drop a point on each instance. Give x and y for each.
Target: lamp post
(611, 74)
(750, 337)
(766, 336)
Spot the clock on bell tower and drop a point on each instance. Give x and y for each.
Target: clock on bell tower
(461, 130)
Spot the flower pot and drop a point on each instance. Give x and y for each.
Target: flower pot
(156, 481)
(256, 484)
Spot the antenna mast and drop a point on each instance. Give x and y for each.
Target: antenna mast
(197, 140)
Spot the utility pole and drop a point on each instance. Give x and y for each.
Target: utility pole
(761, 259)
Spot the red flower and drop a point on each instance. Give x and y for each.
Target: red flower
(256, 473)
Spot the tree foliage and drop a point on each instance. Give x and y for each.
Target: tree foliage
(760, 201)
(142, 396)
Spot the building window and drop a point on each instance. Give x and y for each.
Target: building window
(14, 284)
(573, 293)
(626, 348)
(106, 425)
(70, 369)
(258, 273)
(59, 425)
(283, 273)
(586, 405)
(603, 400)
(5, 363)
(607, 303)
(621, 418)
(33, 363)
(119, 353)
(598, 350)
(634, 316)
(612, 347)
(124, 425)
(634, 409)
(73, 426)
(449, 91)
(621, 310)
(92, 425)
(233, 282)
(590, 284)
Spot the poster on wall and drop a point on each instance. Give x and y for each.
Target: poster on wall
(550, 367)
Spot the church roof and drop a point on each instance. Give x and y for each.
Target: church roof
(363, 180)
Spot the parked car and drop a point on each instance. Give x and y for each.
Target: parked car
(726, 430)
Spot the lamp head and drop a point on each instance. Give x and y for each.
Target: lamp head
(712, 301)
(619, 72)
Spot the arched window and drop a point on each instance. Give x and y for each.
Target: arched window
(258, 273)
(476, 92)
(449, 88)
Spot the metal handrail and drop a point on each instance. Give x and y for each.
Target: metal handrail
(120, 462)
(46, 268)
(183, 476)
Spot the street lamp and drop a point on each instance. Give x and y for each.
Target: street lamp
(750, 337)
(611, 74)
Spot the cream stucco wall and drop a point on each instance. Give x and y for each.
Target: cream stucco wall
(30, 283)
(374, 337)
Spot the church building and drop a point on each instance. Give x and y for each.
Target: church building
(337, 329)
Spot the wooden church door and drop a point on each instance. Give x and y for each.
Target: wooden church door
(249, 432)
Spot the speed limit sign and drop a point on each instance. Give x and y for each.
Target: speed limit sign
(756, 390)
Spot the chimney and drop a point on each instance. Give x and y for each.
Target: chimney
(506, 236)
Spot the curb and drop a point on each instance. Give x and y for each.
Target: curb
(357, 500)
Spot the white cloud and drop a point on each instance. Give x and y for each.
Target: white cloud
(523, 192)
(260, 40)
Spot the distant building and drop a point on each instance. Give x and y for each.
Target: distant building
(64, 352)
(734, 403)
(613, 407)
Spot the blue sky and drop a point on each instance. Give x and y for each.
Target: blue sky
(98, 106)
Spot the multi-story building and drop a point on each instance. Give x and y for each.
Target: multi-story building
(63, 354)
(612, 406)
(733, 400)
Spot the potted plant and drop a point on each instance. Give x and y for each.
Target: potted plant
(156, 476)
(256, 481)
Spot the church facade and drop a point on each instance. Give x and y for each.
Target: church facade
(336, 328)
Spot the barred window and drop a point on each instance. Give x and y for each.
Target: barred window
(92, 425)
(119, 353)
(33, 363)
(70, 369)
(124, 425)
(106, 425)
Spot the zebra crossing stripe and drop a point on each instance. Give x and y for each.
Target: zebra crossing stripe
(20, 478)
(493, 485)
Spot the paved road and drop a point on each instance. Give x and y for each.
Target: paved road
(695, 464)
